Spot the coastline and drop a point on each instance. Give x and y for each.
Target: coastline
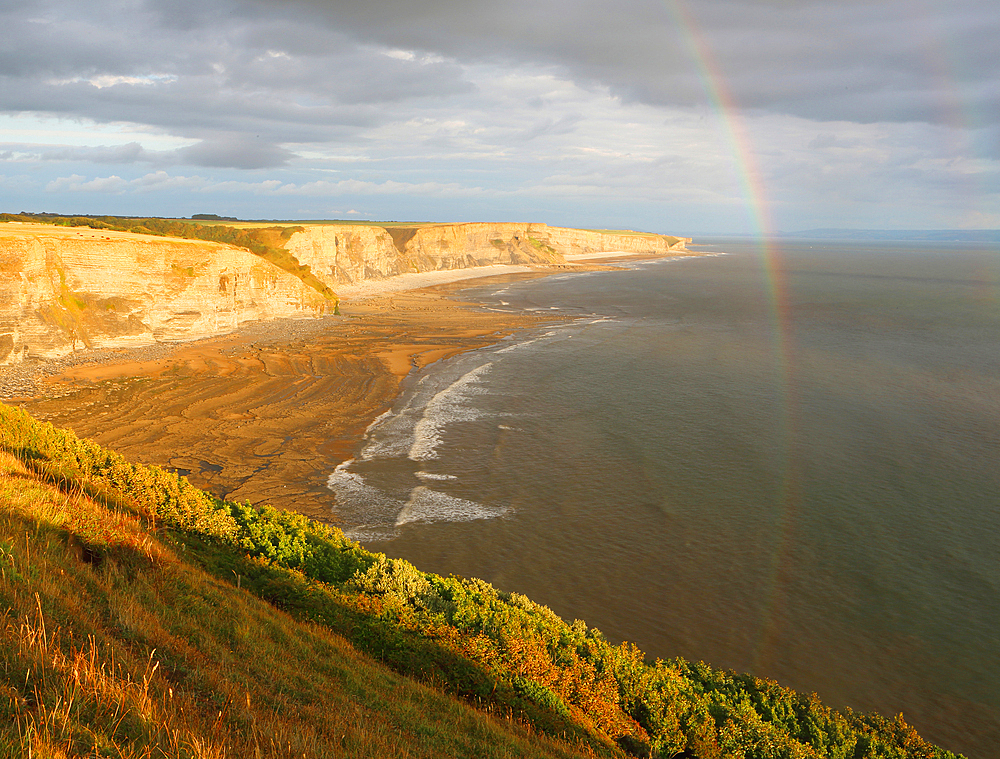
(306, 330)
(266, 412)
(601, 530)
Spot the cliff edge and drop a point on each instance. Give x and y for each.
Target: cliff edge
(341, 254)
(68, 288)
(62, 289)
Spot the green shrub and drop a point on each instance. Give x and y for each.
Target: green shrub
(463, 634)
(292, 540)
(160, 495)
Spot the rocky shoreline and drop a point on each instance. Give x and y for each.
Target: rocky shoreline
(28, 378)
(266, 412)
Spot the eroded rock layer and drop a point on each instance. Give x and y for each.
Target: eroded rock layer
(62, 289)
(347, 254)
(67, 288)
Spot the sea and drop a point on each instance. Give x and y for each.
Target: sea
(779, 457)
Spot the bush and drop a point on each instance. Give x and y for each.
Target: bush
(461, 633)
(160, 495)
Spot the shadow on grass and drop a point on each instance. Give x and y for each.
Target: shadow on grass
(404, 651)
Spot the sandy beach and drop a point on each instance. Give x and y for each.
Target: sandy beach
(265, 413)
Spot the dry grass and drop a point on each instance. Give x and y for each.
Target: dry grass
(85, 570)
(113, 644)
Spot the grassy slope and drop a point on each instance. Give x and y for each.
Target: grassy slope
(319, 222)
(125, 631)
(170, 228)
(114, 642)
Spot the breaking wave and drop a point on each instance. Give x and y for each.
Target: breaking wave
(426, 505)
(450, 405)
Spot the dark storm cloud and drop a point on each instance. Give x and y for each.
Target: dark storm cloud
(283, 68)
(205, 72)
(894, 60)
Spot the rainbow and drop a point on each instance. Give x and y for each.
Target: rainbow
(755, 199)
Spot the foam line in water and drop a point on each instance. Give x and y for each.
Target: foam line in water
(517, 346)
(390, 436)
(426, 505)
(447, 406)
(378, 420)
(435, 476)
(350, 487)
(367, 533)
(358, 501)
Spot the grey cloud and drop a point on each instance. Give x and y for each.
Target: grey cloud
(254, 81)
(986, 142)
(863, 61)
(216, 74)
(132, 152)
(562, 125)
(230, 152)
(237, 152)
(821, 141)
(314, 70)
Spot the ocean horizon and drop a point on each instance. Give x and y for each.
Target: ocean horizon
(779, 459)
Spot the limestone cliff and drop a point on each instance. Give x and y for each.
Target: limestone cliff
(66, 288)
(345, 254)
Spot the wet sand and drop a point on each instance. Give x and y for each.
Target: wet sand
(267, 412)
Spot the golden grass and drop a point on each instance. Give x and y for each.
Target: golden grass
(112, 643)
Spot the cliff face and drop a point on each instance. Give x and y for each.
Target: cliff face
(346, 254)
(582, 241)
(64, 288)
(67, 288)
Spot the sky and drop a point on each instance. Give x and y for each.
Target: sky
(688, 117)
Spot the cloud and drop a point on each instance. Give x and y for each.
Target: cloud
(237, 152)
(289, 70)
(131, 152)
(477, 101)
(218, 74)
(232, 152)
(78, 183)
(161, 180)
(890, 60)
(561, 126)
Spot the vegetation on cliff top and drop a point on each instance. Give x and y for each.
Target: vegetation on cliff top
(135, 624)
(266, 242)
(114, 643)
